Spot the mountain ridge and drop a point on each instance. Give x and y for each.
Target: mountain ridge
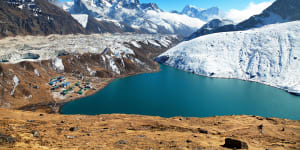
(146, 17)
(279, 12)
(37, 17)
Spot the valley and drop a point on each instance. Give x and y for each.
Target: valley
(28, 64)
(103, 63)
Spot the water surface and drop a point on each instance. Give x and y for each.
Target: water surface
(172, 92)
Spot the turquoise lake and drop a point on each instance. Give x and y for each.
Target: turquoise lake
(172, 92)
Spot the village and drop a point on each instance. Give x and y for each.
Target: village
(72, 86)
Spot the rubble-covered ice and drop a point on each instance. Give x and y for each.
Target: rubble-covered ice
(12, 49)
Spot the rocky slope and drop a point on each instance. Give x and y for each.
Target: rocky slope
(28, 63)
(37, 17)
(269, 55)
(279, 12)
(144, 17)
(29, 130)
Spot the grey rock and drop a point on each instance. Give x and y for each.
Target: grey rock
(74, 128)
(6, 139)
(202, 131)
(235, 144)
(122, 142)
(35, 133)
(70, 137)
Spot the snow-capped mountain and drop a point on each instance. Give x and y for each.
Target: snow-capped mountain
(203, 14)
(93, 25)
(210, 27)
(280, 11)
(269, 55)
(144, 17)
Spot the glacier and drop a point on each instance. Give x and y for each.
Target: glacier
(268, 55)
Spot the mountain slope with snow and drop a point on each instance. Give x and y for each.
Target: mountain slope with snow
(210, 27)
(144, 17)
(203, 14)
(269, 55)
(279, 12)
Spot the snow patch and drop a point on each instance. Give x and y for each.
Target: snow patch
(135, 44)
(16, 81)
(81, 18)
(92, 72)
(58, 65)
(113, 65)
(37, 72)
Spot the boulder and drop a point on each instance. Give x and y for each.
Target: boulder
(74, 128)
(236, 144)
(122, 142)
(5, 139)
(202, 131)
(35, 133)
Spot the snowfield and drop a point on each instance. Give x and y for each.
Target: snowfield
(268, 55)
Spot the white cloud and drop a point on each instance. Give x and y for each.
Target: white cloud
(252, 9)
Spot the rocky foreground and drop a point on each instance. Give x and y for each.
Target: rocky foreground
(31, 130)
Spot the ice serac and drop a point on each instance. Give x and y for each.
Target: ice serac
(279, 12)
(145, 17)
(269, 55)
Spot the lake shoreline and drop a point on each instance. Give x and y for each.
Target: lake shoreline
(165, 74)
(286, 90)
(65, 101)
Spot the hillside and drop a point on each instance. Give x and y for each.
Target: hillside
(28, 63)
(269, 55)
(31, 130)
(37, 17)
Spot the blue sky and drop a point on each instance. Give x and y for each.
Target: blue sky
(224, 5)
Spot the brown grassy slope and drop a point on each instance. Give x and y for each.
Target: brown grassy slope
(118, 131)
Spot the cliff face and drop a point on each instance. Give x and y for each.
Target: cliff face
(35, 18)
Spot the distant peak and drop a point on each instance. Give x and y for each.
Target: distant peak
(190, 6)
